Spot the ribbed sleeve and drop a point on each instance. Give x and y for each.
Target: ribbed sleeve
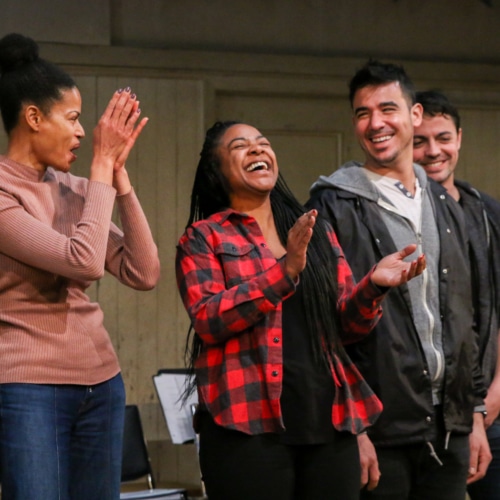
(132, 255)
(55, 239)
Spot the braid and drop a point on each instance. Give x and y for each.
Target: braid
(210, 190)
(208, 196)
(319, 278)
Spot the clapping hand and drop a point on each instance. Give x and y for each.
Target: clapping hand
(114, 137)
(299, 237)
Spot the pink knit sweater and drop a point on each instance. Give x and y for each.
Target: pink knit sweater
(56, 238)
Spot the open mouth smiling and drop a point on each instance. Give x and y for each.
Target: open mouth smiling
(258, 165)
(384, 138)
(434, 163)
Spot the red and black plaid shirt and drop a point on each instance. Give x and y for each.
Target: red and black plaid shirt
(233, 289)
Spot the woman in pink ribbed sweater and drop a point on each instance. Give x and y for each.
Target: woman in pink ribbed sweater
(61, 392)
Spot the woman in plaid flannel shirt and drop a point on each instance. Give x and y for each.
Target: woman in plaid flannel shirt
(280, 401)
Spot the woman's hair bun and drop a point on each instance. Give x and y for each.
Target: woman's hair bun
(16, 50)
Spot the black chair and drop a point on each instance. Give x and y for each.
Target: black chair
(136, 462)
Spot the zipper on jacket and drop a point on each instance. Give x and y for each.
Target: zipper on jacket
(418, 234)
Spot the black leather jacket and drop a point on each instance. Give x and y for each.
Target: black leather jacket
(391, 357)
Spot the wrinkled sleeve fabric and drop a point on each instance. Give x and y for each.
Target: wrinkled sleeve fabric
(359, 305)
(132, 255)
(80, 256)
(218, 312)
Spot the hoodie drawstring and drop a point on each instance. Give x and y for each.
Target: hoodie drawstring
(447, 440)
(433, 453)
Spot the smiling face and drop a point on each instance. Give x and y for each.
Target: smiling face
(436, 147)
(57, 133)
(249, 165)
(383, 122)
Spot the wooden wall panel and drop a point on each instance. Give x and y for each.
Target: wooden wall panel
(479, 161)
(304, 155)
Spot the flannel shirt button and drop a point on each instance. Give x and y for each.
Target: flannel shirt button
(428, 419)
(263, 245)
(276, 340)
(274, 373)
(425, 372)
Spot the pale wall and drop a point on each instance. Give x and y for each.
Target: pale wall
(433, 30)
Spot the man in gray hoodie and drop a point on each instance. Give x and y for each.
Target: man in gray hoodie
(421, 359)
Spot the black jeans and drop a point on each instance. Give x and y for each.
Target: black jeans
(235, 465)
(410, 472)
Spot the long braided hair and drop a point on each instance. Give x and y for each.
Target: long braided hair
(210, 194)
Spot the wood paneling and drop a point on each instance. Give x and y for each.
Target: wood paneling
(479, 161)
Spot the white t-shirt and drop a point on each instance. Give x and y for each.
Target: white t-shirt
(405, 204)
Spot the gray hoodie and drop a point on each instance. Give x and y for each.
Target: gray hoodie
(423, 290)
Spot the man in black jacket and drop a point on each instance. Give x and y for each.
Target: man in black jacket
(437, 142)
(421, 359)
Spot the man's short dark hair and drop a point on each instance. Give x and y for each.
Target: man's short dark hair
(375, 73)
(435, 103)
